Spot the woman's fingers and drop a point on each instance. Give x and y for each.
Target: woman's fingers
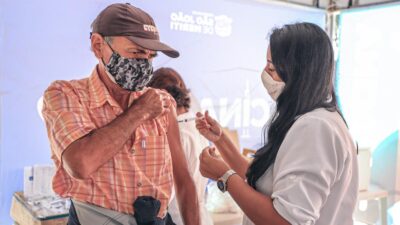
(199, 115)
(205, 153)
(201, 126)
(210, 163)
(203, 172)
(203, 164)
(209, 119)
(213, 152)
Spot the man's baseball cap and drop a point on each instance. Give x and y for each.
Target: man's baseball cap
(138, 26)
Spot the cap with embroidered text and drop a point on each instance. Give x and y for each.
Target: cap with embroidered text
(126, 20)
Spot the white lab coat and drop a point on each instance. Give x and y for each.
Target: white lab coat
(314, 179)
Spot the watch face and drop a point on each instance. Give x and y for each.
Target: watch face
(221, 185)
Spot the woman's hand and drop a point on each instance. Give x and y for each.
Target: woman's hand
(211, 164)
(208, 127)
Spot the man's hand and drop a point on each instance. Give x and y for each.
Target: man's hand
(153, 103)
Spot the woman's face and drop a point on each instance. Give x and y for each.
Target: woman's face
(270, 68)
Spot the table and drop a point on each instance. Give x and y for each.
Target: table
(227, 218)
(375, 193)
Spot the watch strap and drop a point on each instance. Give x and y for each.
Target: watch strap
(225, 178)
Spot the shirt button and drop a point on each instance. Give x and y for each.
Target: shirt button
(139, 184)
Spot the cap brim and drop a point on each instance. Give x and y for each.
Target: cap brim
(154, 45)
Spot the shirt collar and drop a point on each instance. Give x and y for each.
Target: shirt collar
(99, 94)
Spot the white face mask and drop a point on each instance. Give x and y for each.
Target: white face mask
(273, 87)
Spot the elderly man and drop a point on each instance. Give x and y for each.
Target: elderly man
(116, 144)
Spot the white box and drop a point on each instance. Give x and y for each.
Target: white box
(28, 181)
(364, 168)
(42, 179)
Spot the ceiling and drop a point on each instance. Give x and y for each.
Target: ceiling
(333, 4)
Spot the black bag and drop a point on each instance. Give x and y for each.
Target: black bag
(146, 211)
(73, 217)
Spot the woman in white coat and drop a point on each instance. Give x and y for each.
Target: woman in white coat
(306, 173)
(192, 142)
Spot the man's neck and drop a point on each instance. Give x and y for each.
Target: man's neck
(120, 95)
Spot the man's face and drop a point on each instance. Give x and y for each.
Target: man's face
(126, 49)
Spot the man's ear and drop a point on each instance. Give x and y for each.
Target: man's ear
(97, 42)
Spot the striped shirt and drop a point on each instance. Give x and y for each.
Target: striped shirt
(143, 167)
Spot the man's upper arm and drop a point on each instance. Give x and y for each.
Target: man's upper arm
(180, 166)
(189, 148)
(66, 118)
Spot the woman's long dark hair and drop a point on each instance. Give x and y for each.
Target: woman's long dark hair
(303, 57)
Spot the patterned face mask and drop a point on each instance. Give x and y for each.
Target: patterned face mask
(130, 74)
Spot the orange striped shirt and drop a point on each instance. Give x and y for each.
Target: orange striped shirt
(143, 167)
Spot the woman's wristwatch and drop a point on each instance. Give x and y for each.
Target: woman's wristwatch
(222, 181)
